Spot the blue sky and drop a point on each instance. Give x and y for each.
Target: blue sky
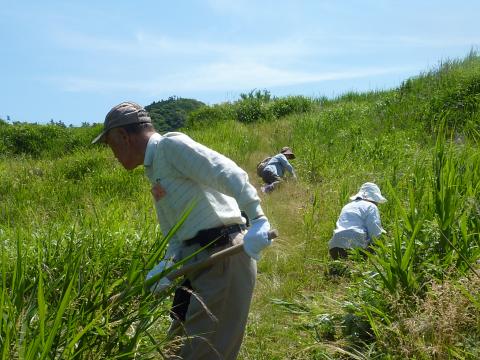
(71, 61)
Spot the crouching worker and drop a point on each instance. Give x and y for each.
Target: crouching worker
(273, 169)
(181, 172)
(359, 222)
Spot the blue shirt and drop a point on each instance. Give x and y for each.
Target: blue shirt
(278, 164)
(358, 223)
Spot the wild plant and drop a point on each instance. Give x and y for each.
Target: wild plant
(76, 312)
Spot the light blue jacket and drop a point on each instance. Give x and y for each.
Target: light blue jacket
(358, 224)
(278, 164)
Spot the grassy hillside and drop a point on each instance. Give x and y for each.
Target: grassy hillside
(77, 229)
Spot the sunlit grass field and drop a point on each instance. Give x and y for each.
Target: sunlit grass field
(77, 229)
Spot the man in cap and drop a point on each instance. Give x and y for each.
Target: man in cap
(183, 172)
(359, 222)
(276, 168)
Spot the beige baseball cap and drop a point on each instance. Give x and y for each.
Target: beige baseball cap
(287, 151)
(125, 113)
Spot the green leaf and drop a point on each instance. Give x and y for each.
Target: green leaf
(58, 320)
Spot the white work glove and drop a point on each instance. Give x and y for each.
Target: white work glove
(256, 238)
(163, 282)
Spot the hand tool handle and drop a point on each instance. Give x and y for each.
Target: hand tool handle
(232, 250)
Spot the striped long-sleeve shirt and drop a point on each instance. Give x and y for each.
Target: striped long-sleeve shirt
(189, 173)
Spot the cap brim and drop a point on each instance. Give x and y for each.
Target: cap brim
(100, 138)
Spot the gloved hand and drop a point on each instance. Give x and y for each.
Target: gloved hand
(256, 238)
(163, 282)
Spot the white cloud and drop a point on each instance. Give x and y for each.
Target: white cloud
(235, 76)
(152, 47)
(218, 77)
(221, 66)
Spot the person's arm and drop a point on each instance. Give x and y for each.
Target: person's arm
(286, 165)
(373, 223)
(210, 168)
(214, 170)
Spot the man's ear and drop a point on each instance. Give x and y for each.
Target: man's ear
(120, 135)
(117, 136)
(125, 136)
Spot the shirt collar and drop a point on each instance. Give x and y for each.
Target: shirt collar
(151, 147)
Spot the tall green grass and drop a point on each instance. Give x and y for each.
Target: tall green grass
(67, 246)
(77, 231)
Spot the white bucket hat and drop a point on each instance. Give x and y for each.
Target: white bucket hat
(369, 191)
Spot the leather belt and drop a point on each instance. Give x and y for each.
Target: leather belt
(219, 236)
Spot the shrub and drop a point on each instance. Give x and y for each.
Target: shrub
(289, 105)
(44, 140)
(253, 107)
(207, 115)
(27, 139)
(251, 110)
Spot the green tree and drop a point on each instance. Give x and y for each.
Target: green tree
(171, 114)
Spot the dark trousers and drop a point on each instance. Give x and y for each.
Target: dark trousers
(271, 180)
(338, 253)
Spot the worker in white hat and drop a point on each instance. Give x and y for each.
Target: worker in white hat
(359, 222)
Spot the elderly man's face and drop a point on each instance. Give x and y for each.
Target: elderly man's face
(120, 142)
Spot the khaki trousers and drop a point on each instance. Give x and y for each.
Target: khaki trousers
(217, 314)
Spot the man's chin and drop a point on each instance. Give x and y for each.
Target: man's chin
(129, 167)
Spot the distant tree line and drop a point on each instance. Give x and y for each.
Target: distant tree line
(171, 114)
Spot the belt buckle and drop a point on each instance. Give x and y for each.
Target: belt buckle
(224, 231)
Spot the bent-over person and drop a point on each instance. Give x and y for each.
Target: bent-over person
(275, 169)
(359, 222)
(183, 172)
